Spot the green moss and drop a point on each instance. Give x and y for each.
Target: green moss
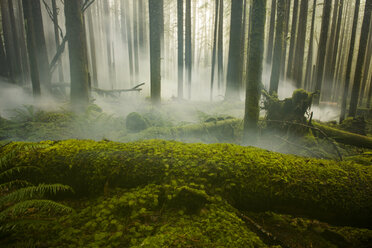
(135, 122)
(249, 178)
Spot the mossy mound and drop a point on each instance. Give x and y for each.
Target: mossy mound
(145, 217)
(354, 125)
(135, 122)
(248, 178)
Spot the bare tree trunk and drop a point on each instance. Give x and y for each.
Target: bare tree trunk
(135, 40)
(322, 49)
(77, 54)
(286, 29)
(125, 16)
(4, 70)
(214, 48)
(292, 40)
(220, 45)
(300, 45)
(361, 55)
(141, 26)
(270, 43)
(107, 22)
(180, 46)
(349, 61)
(309, 62)
(255, 59)
(366, 66)
(275, 69)
(93, 57)
(57, 39)
(188, 52)
(32, 50)
(155, 10)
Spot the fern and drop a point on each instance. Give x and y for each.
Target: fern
(33, 192)
(9, 173)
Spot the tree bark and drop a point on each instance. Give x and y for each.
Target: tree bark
(254, 78)
(155, 10)
(77, 54)
(349, 61)
(309, 62)
(125, 15)
(57, 39)
(292, 40)
(4, 70)
(300, 45)
(232, 83)
(275, 69)
(135, 40)
(361, 55)
(180, 47)
(322, 49)
(188, 52)
(93, 57)
(214, 48)
(270, 43)
(220, 45)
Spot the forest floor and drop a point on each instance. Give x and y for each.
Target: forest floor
(136, 215)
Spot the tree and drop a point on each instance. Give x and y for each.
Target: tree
(56, 38)
(361, 55)
(254, 78)
(349, 61)
(32, 50)
(77, 54)
(271, 32)
(300, 45)
(220, 45)
(128, 36)
(275, 69)
(93, 57)
(180, 46)
(214, 47)
(4, 70)
(155, 10)
(232, 83)
(292, 40)
(135, 40)
(322, 48)
(188, 52)
(309, 62)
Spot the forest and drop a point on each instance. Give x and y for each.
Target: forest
(186, 123)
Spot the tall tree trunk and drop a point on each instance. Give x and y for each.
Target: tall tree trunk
(361, 55)
(275, 69)
(270, 43)
(232, 83)
(155, 10)
(327, 83)
(349, 61)
(22, 41)
(300, 45)
(107, 22)
(4, 70)
(32, 50)
(220, 45)
(41, 52)
(286, 29)
(369, 93)
(77, 54)
(292, 40)
(309, 62)
(322, 49)
(188, 52)
(366, 66)
(242, 47)
(93, 57)
(214, 48)
(254, 78)
(141, 27)
(57, 39)
(180, 47)
(125, 15)
(135, 40)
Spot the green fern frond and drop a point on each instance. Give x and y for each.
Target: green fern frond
(10, 225)
(24, 207)
(9, 173)
(14, 184)
(33, 192)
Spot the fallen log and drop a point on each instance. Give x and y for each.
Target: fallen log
(345, 137)
(251, 179)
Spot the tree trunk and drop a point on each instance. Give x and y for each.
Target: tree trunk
(361, 55)
(141, 27)
(309, 62)
(77, 54)
(125, 15)
(220, 45)
(286, 29)
(275, 69)
(254, 78)
(292, 40)
(155, 10)
(366, 66)
(322, 49)
(93, 57)
(300, 45)
(232, 83)
(180, 47)
(242, 48)
(107, 22)
(4, 70)
(188, 52)
(214, 48)
(270, 43)
(31, 46)
(41, 49)
(349, 61)
(57, 39)
(135, 40)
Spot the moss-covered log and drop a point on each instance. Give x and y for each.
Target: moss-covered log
(345, 137)
(249, 178)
